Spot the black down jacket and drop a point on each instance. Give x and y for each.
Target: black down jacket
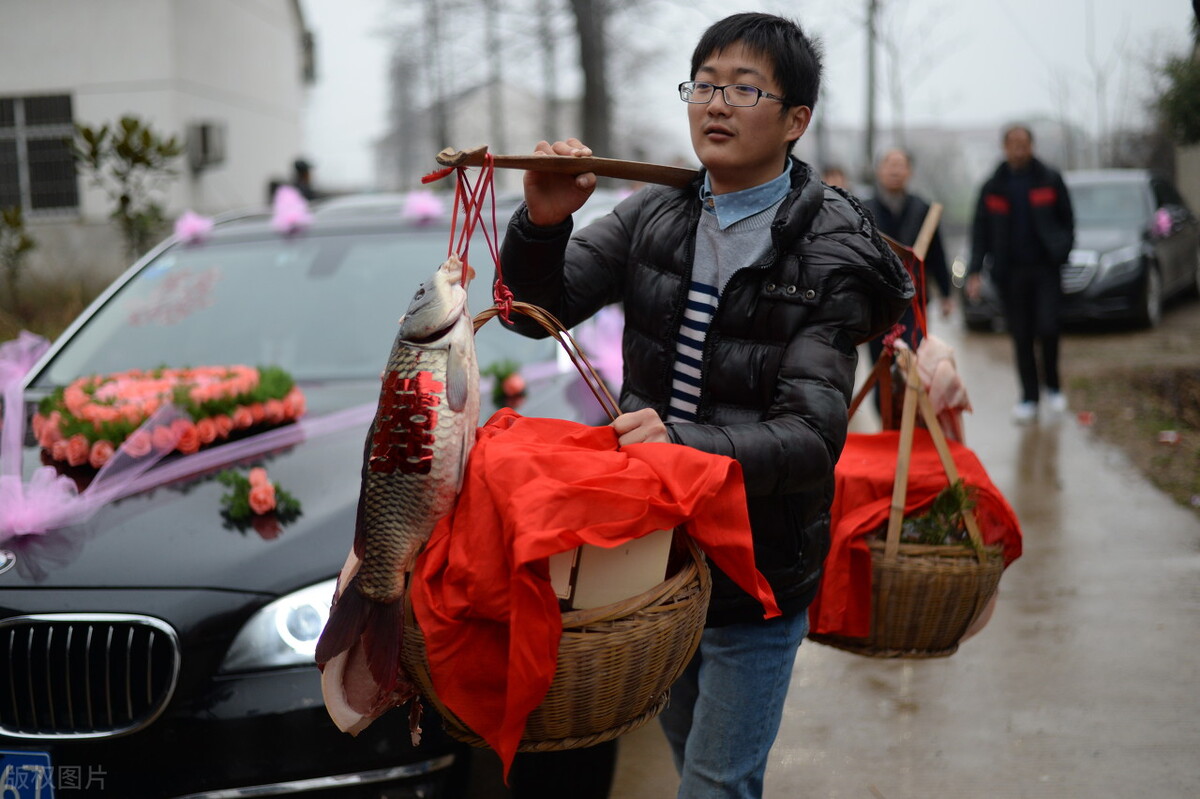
(779, 358)
(1050, 207)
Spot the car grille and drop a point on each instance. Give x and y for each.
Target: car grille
(1076, 277)
(84, 675)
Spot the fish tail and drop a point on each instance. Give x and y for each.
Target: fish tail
(379, 625)
(347, 620)
(382, 640)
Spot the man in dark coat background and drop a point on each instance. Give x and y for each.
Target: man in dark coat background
(900, 215)
(1025, 225)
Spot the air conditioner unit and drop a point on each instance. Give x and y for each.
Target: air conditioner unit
(205, 145)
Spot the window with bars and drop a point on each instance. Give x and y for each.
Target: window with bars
(37, 171)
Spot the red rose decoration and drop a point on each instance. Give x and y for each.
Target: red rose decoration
(262, 498)
(78, 450)
(138, 445)
(101, 452)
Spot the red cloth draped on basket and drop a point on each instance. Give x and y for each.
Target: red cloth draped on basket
(862, 503)
(535, 487)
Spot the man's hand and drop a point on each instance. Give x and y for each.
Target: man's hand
(640, 427)
(974, 286)
(552, 197)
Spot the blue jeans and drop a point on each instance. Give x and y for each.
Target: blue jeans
(725, 709)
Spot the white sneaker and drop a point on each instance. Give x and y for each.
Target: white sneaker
(1024, 412)
(1057, 401)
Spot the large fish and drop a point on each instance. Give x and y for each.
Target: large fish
(413, 466)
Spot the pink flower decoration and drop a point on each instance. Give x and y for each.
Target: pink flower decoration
(78, 449)
(187, 437)
(102, 452)
(295, 403)
(258, 477)
(164, 439)
(138, 445)
(290, 210)
(262, 498)
(422, 206)
(207, 430)
(274, 411)
(513, 385)
(224, 425)
(192, 228)
(1162, 223)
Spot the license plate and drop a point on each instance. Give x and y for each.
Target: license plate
(26, 775)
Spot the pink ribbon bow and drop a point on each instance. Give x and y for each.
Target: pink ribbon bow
(290, 211)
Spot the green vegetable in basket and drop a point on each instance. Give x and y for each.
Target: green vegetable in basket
(943, 523)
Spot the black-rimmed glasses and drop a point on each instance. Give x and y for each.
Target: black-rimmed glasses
(739, 95)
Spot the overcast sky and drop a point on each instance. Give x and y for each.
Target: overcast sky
(983, 62)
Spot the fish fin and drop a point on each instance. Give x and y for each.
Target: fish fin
(468, 441)
(347, 618)
(457, 377)
(382, 640)
(360, 514)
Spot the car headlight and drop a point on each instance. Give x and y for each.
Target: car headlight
(1121, 261)
(284, 633)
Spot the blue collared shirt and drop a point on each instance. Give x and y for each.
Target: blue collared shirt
(738, 205)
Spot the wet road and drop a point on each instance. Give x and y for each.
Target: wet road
(1086, 682)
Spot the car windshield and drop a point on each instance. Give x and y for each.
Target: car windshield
(1107, 205)
(323, 307)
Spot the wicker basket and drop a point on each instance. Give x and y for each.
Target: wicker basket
(924, 598)
(615, 666)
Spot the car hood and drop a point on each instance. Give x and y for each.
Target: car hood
(174, 536)
(1102, 240)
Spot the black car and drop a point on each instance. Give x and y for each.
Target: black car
(1137, 246)
(159, 649)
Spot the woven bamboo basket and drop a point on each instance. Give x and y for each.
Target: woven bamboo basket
(924, 598)
(615, 666)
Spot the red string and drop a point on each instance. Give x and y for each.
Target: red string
(471, 200)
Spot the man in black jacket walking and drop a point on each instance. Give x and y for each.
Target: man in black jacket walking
(745, 296)
(1024, 222)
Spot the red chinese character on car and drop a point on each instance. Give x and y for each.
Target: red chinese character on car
(403, 437)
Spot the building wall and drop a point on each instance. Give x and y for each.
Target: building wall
(171, 63)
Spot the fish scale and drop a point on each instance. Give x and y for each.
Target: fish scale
(399, 506)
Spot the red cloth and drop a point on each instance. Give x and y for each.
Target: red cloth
(481, 591)
(862, 503)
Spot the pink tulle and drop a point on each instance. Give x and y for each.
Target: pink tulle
(17, 357)
(193, 228)
(290, 210)
(49, 501)
(1162, 223)
(601, 342)
(423, 206)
